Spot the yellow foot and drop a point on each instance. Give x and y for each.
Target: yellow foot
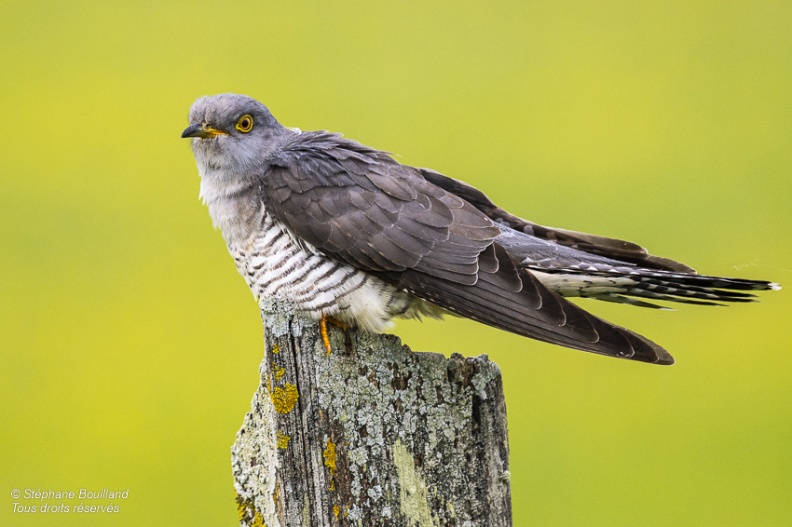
(323, 331)
(325, 336)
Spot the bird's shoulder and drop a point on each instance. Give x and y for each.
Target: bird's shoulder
(327, 146)
(326, 160)
(359, 205)
(314, 163)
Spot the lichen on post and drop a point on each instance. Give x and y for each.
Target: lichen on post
(372, 434)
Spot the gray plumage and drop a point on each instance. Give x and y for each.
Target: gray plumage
(343, 230)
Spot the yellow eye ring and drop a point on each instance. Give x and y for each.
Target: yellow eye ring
(245, 123)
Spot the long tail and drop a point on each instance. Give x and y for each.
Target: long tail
(653, 285)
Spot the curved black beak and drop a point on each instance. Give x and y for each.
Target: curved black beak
(194, 130)
(201, 130)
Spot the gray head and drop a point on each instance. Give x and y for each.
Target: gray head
(232, 131)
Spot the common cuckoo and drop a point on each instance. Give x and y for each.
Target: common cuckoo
(343, 230)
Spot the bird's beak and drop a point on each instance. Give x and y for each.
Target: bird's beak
(201, 130)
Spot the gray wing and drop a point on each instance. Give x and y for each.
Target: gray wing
(612, 248)
(359, 206)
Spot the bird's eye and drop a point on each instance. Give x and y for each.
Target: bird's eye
(244, 124)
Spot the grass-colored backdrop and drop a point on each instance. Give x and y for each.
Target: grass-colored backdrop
(129, 347)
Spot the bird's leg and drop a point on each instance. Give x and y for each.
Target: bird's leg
(323, 330)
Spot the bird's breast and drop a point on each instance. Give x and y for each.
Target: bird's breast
(275, 263)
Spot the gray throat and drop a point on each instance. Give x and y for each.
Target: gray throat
(234, 204)
(231, 188)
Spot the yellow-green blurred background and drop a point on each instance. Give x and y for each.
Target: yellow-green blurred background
(129, 347)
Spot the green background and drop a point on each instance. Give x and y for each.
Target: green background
(129, 346)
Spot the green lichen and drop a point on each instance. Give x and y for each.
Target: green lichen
(412, 488)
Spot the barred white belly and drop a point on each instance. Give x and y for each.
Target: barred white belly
(274, 264)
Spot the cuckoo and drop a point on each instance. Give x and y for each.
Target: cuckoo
(345, 232)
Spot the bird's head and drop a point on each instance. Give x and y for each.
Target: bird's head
(231, 131)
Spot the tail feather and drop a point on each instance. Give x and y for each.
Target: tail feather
(704, 281)
(623, 285)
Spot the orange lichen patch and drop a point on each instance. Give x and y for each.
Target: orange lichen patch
(275, 349)
(241, 508)
(258, 520)
(248, 514)
(284, 398)
(282, 440)
(336, 510)
(277, 371)
(329, 456)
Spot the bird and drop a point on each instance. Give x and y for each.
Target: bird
(346, 233)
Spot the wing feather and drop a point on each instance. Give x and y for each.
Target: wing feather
(428, 235)
(590, 243)
(360, 206)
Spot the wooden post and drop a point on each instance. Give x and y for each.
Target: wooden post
(372, 434)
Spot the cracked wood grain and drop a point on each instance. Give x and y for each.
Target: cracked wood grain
(373, 434)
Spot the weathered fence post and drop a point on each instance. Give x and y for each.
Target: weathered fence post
(372, 434)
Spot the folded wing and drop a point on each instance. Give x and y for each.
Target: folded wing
(359, 206)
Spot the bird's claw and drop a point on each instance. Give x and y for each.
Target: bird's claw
(324, 333)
